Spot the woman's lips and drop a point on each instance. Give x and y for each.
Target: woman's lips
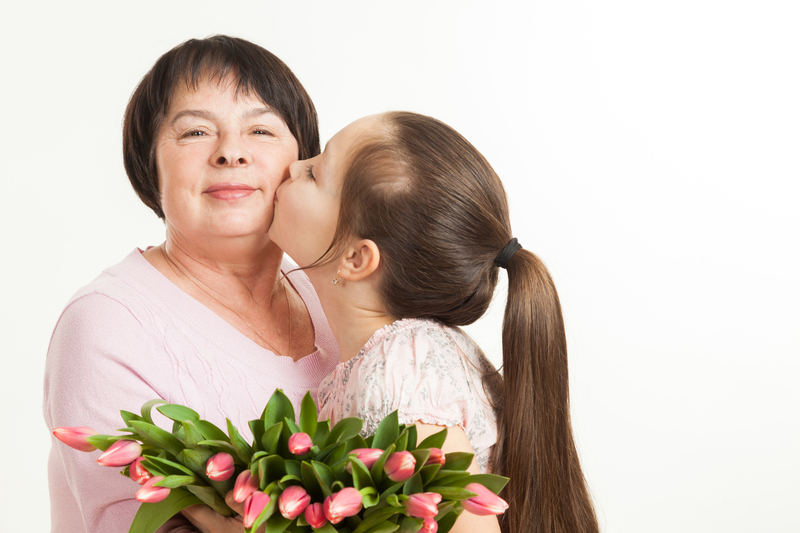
(229, 191)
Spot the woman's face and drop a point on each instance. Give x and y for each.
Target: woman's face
(307, 204)
(220, 158)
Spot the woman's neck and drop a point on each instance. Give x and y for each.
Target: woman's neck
(353, 309)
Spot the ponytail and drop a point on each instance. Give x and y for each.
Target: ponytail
(547, 491)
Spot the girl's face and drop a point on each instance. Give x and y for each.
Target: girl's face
(307, 204)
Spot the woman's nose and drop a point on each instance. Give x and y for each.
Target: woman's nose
(231, 151)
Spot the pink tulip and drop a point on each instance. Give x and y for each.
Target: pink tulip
(138, 472)
(149, 493)
(220, 467)
(437, 457)
(253, 506)
(246, 484)
(75, 437)
(400, 466)
(300, 443)
(429, 526)
(340, 505)
(293, 501)
(368, 456)
(315, 516)
(423, 504)
(121, 453)
(485, 503)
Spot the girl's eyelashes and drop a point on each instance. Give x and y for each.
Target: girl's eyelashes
(194, 133)
(309, 174)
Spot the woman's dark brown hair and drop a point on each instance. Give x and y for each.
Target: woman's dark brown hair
(256, 71)
(439, 216)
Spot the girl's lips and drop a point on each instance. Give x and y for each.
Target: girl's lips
(229, 191)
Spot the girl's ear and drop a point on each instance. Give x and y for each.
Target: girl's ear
(360, 260)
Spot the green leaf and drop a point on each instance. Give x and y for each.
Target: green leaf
(257, 429)
(195, 460)
(412, 437)
(127, 416)
(345, 429)
(192, 436)
(311, 483)
(103, 442)
(165, 467)
(293, 468)
(155, 436)
(387, 432)
(334, 454)
(148, 406)
(413, 485)
(446, 507)
(369, 497)
(209, 496)
(293, 428)
(447, 477)
(210, 431)
(361, 477)
(376, 518)
(327, 528)
(278, 407)
(220, 446)
(152, 516)
(273, 467)
(178, 413)
(321, 435)
(324, 475)
(270, 439)
(376, 471)
(452, 493)
(410, 524)
(421, 457)
(434, 441)
(447, 522)
(276, 523)
(243, 450)
(383, 527)
(458, 460)
(493, 482)
(268, 511)
(401, 444)
(173, 482)
(289, 480)
(428, 472)
(308, 415)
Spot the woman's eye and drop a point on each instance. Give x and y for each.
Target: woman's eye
(309, 174)
(194, 133)
(262, 131)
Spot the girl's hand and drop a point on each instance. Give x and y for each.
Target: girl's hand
(206, 520)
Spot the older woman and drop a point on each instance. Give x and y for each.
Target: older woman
(207, 318)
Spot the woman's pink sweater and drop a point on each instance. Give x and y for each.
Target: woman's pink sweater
(131, 336)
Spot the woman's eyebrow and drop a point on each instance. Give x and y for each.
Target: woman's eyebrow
(202, 113)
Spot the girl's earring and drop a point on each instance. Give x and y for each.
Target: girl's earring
(337, 280)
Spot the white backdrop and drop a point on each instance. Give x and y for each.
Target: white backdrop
(650, 151)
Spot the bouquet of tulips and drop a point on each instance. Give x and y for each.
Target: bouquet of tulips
(296, 475)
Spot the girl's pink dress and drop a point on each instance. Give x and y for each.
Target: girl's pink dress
(429, 372)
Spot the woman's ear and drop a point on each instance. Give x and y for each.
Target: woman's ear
(360, 260)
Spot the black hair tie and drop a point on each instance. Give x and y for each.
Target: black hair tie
(506, 253)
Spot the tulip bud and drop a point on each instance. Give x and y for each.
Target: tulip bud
(121, 453)
(315, 516)
(430, 525)
(485, 503)
(220, 467)
(423, 504)
(437, 457)
(368, 456)
(246, 484)
(340, 505)
(300, 443)
(293, 501)
(75, 437)
(253, 506)
(149, 493)
(139, 473)
(400, 466)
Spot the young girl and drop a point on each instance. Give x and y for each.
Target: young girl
(402, 225)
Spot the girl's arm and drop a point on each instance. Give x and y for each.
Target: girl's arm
(457, 442)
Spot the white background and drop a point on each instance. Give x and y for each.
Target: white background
(650, 152)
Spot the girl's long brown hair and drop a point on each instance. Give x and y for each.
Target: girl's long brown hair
(439, 216)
